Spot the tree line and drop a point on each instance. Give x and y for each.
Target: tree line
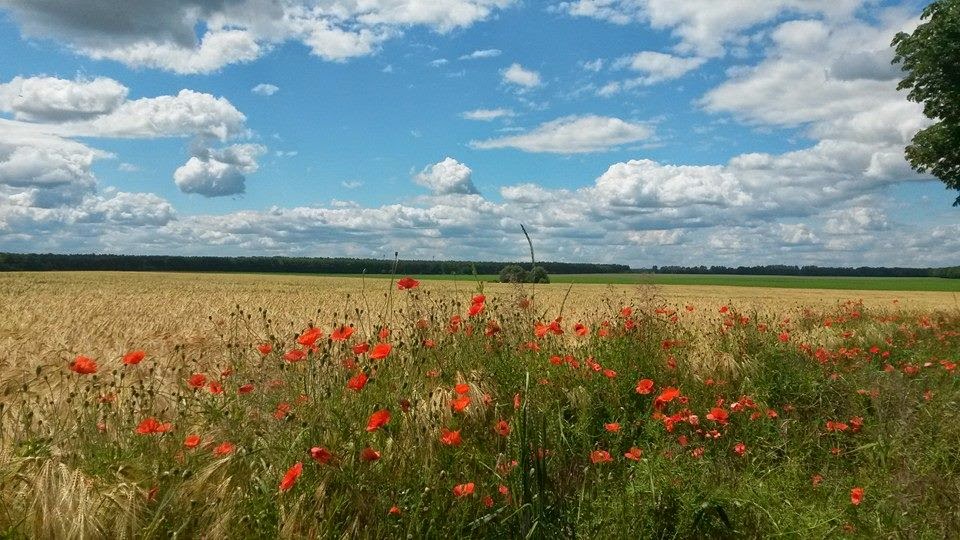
(825, 271)
(293, 265)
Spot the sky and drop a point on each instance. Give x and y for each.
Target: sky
(640, 132)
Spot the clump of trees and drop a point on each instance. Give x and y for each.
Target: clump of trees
(514, 273)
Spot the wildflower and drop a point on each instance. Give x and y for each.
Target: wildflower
(462, 389)
(609, 373)
(460, 403)
(361, 348)
(265, 348)
(369, 454)
(666, 396)
(283, 408)
(320, 454)
(856, 496)
(223, 449)
(488, 501)
(718, 415)
(197, 380)
(740, 449)
(816, 480)
(133, 358)
(245, 389)
(502, 428)
(191, 441)
(384, 333)
(463, 490)
(475, 309)
(784, 337)
(310, 336)
(612, 427)
(295, 355)
(407, 283)
(381, 351)
(341, 334)
(580, 329)
(450, 438)
(357, 382)
(626, 311)
(291, 477)
(378, 420)
(634, 454)
(150, 426)
(394, 510)
(644, 386)
(83, 365)
(215, 387)
(600, 456)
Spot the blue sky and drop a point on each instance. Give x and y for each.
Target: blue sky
(633, 131)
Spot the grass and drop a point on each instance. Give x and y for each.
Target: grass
(824, 402)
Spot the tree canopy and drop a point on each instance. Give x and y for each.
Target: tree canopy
(930, 56)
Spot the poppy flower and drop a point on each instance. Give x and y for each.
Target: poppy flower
(580, 329)
(478, 299)
(407, 283)
(488, 501)
(197, 380)
(856, 496)
(151, 425)
(381, 351)
(502, 428)
(475, 309)
(612, 427)
(133, 358)
(718, 415)
(384, 333)
(83, 365)
(191, 441)
(310, 336)
(394, 511)
(450, 438)
(357, 382)
(463, 490)
(429, 343)
(245, 389)
(816, 480)
(462, 389)
(361, 348)
(215, 387)
(291, 477)
(626, 311)
(341, 334)
(644, 386)
(295, 355)
(283, 408)
(265, 348)
(600, 456)
(740, 449)
(666, 396)
(378, 420)
(223, 449)
(784, 337)
(369, 454)
(460, 403)
(634, 454)
(320, 454)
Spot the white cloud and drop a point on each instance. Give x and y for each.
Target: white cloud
(573, 135)
(447, 177)
(438, 62)
(482, 53)
(49, 99)
(218, 173)
(659, 67)
(660, 237)
(518, 75)
(486, 115)
(265, 89)
(162, 35)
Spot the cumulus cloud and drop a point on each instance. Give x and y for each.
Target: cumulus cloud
(520, 76)
(218, 173)
(482, 53)
(659, 67)
(573, 135)
(264, 89)
(49, 99)
(447, 177)
(165, 36)
(486, 115)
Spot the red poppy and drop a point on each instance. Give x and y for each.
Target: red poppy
(384, 333)
(133, 358)
(644, 386)
(320, 454)
(460, 403)
(502, 428)
(718, 415)
(151, 425)
(361, 348)
(816, 480)
(739, 449)
(488, 501)
(856, 496)
(197, 380)
(357, 382)
(612, 427)
(310, 336)
(462, 389)
(475, 309)
(191, 441)
(341, 334)
(406, 283)
(215, 387)
(666, 396)
(784, 337)
(600, 456)
(295, 355)
(265, 348)
(450, 438)
(463, 490)
(83, 365)
(394, 511)
(291, 477)
(609, 373)
(634, 454)
(478, 299)
(626, 311)
(223, 449)
(369, 454)
(381, 351)
(245, 389)
(283, 408)
(580, 329)
(429, 343)
(378, 420)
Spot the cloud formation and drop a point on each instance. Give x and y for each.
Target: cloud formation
(573, 135)
(520, 76)
(447, 177)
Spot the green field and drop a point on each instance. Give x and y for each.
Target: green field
(783, 282)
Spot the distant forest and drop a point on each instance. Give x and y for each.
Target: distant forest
(337, 265)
